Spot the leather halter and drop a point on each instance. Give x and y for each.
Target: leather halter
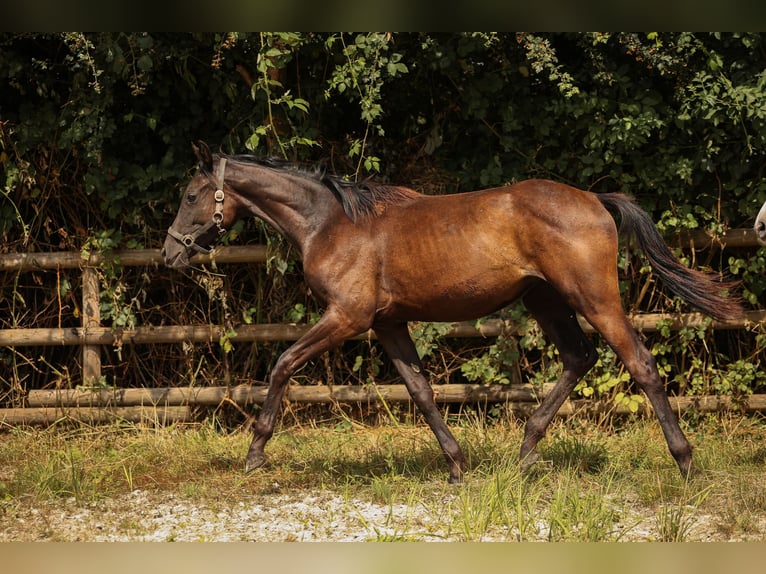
(189, 240)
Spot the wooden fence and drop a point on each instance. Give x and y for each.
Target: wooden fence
(173, 404)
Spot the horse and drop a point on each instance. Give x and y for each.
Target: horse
(377, 256)
(760, 225)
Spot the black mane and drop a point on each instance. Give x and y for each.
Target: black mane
(359, 200)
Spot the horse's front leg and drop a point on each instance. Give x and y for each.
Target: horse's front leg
(396, 340)
(332, 329)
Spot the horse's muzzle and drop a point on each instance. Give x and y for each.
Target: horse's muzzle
(175, 254)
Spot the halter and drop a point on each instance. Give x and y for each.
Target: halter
(190, 239)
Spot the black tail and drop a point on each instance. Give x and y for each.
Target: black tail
(696, 288)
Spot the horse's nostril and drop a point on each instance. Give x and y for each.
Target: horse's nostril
(760, 227)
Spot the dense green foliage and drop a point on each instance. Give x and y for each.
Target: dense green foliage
(94, 148)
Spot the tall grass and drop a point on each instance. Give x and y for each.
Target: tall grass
(592, 484)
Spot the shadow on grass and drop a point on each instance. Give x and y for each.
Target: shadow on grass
(573, 453)
(420, 463)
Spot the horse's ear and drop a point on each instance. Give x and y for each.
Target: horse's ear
(203, 154)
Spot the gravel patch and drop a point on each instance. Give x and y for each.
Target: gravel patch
(146, 516)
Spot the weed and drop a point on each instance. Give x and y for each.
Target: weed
(677, 517)
(580, 511)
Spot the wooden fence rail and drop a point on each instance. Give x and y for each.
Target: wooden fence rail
(164, 406)
(52, 405)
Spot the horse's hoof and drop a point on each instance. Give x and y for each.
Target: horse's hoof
(456, 478)
(688, 471)
(254, 460)
(528, 461)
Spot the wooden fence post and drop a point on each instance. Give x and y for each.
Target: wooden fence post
(91, 318)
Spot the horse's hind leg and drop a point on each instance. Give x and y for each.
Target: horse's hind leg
(614, 326)
(401, 350)
(577, 353)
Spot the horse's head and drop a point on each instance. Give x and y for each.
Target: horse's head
(760, 225)
(203, 215)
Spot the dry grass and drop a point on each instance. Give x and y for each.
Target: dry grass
(593, 484)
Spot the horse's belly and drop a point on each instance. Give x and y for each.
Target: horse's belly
(464, 299)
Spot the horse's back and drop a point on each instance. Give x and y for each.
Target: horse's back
(528, 213)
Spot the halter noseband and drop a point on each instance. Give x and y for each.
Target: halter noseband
(189, 240)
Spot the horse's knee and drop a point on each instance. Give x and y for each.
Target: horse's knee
(580, 358)
(582, 363)
(423, 396)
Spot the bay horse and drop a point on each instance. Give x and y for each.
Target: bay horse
(377, 256)
(760, 225)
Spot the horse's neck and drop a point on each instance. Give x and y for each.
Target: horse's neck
(296, 207)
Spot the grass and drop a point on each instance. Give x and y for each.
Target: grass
(592, 484)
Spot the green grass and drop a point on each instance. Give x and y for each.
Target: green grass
(592, 484)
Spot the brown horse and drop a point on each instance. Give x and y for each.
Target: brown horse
(760, 225)
(379, 256)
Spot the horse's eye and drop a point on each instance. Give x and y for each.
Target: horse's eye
(191, 197)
